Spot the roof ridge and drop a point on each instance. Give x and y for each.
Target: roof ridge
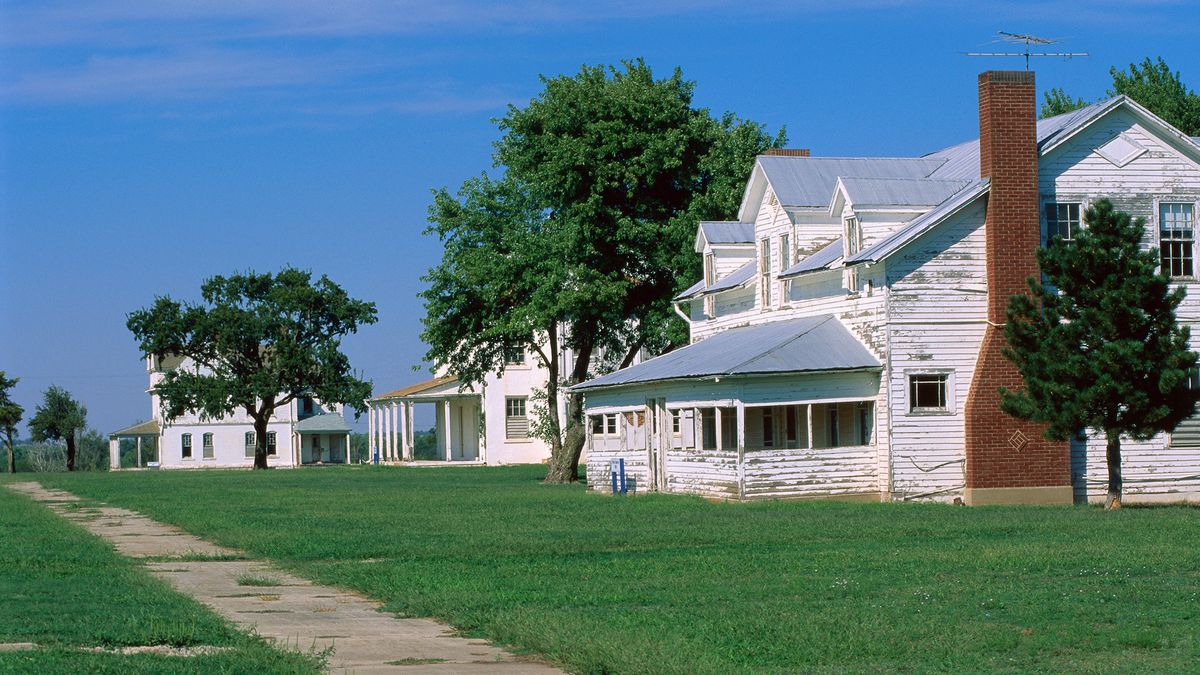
(784, 343)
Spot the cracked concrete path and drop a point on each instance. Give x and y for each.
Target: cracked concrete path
(286, 609)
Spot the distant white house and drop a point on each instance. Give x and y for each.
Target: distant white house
(847, 331)
(303, 432)
(481, 423)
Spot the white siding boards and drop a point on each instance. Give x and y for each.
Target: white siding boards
(917, 304)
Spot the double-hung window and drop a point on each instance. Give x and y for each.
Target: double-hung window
(250, 444)
(514, 355)
(764, 272)
(853, 233)
(710, 278)
(1062, 220)
(186, 446)
(516, 423)
(209, 453)
(1177, 238)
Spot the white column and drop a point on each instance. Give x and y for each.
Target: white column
(411, 417)
(741, 448)
(403, 431)
(114, 453)
(139, 452)
(717, 426)
(370, 432)
(389, 416)
(446, 421)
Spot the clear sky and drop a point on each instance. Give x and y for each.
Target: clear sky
(147, 145)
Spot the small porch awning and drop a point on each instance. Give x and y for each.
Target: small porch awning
(324, 423)
(149, 428)
(812, 344)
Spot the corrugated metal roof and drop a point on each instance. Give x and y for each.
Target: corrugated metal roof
(1196, 140)
(812, 344)
(823, 259)
(809, 181)
(734, 279)
(727, 232)
(962, 160)
(148, 428)
(900, 191)
(325, 422)
(691, 290)
(919, 225)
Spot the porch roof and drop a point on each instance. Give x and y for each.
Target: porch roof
(426, 387)
(148, 428)
(323, 423)
(812, 344)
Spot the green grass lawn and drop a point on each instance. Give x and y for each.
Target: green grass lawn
(664, 583)
(66, 590)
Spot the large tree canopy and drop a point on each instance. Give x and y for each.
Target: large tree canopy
(1098, 343)
(10, 416)
(57, 419)
(587, 236)
(1152, 84)
(259, 341)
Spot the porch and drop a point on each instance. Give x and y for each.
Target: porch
(146, 437)
(457, 438)
(321, 439)
(786, 410)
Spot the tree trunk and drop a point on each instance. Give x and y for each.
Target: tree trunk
(1114, 471)
(12, 460)
(564, 464)
(71, 451)
(260, 440)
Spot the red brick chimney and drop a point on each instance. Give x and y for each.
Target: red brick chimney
(1008, 460)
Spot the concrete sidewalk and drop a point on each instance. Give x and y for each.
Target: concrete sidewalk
(292, 612)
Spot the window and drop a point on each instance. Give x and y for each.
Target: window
(864, 410)
(833, 436)
(1062, 220)
(928, 392)
(306, 407)
(710, 278)
(768, 428)
(785, 252)
(271, 447)
(208, 446)
(186, 446)
(516, 424)
(1177, 239)
(250, 443)
(597, 425)
(853, 236)
(764, 262)
(610, 424)
(790, 428)
(514, 355)
(675, 415)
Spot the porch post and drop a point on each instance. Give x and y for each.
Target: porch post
(407, 441)
(391, 432)
(811, 445)
(403, 432)
(717, 425)
(741, 449)
(347, 449)
(139, 451)
(114, 453)
(446, 422)
(370, 431)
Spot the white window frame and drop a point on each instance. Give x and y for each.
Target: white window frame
(185, 443)
(852, 233)
(710, 278)
(764, 272)
(515, 357)
(510, 434)
(1158, 232)
(1047, 202)
(208, 447)
(951, 405)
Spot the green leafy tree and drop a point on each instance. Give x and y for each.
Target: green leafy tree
(1153, 85)
(1098, 343)
(259, 341)
(584, 241)
(58, 418)
(1058, 102)
(10, 416)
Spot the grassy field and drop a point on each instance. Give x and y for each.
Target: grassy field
(66, 590)
(675, 584)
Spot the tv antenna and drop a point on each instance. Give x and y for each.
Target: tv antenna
(1027, 40)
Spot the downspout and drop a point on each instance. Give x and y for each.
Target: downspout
(685, 317)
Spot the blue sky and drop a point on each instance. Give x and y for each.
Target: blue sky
(145, 146)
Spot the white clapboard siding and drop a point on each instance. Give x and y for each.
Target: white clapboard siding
(1148, 468)
(938, 309)
(784, 474)
(711, 473)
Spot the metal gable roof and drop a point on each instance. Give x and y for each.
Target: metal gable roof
(691, 290)
(823, 259)
(899, 191)
(735, 278)
(920, 225)
(812, 344)
(325, 422)
(809, 181)
(727, 232)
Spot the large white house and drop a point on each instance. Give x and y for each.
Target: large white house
(303, 432)
(482, 423)
(846, 335)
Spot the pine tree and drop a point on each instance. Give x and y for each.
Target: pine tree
(1098, 343)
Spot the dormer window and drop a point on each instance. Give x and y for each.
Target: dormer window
(764, 271)
(853, 239)
(307, 407)
(710, 278)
